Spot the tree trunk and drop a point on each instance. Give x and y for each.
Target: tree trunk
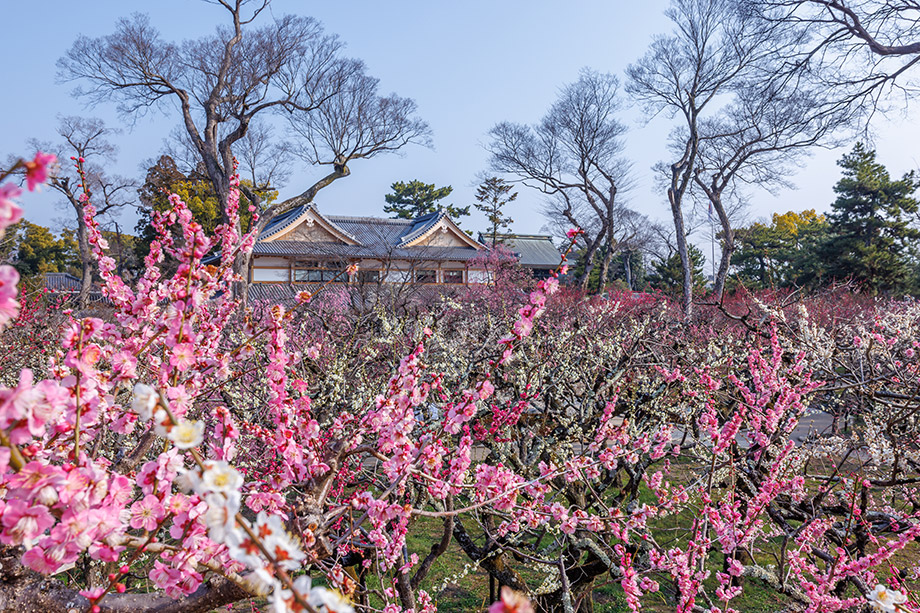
(241, 267)
(728, 245)
(728, 249)
(627, 270)
(728, 241)
(685, 264)
(589, 262)
(605, 268)
(611, 243)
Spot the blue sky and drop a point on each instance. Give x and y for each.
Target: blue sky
(467, 64)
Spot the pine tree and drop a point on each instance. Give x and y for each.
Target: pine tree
(414, 199)
(491, 197)
(667, 275)
(870, 236)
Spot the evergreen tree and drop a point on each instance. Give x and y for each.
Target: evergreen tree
(491, 197)
(781, 254)
(628, 270)
(39, 251)
(667, 275)
(414, 199)
(870, 234)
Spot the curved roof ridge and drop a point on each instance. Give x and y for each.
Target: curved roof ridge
(293, 217)
(422, 226)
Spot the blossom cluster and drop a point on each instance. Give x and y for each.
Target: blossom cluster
(180, 437)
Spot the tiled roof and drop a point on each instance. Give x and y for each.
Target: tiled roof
(66, 283)
(533, 250)
(376, 250)
(276, 292)
(62, 282)
(284, 220)
(373, 230)
(420, 225)
(293, 216)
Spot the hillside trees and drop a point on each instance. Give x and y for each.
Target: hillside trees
(783, 253)
(224, 83)
(574, 155)
(667, 274)
(38, 250)
(164, 178)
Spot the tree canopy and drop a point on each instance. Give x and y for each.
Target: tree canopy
(414, 198)
(492, 196)
(870, 230)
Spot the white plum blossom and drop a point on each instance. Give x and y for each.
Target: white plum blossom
(242, 549)
(886, 599)
(221, 515)
(188, 481)
(187, 434)
(145, 401)
(219, 477)
(329, 601)
(280, 545)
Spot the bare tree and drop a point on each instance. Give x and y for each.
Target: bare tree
(756, 140)
(88, 138)
(223, 82)
(575, 155)
(637, 234)
(863, 49)
(714, 46)
(264, 159)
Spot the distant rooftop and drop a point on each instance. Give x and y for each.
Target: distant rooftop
(62, 282)
(533, 250)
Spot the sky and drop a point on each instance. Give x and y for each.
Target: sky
(468, 65)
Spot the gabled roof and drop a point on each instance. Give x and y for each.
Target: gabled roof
(420, 226)
(533, 250)
(426, 225)
(378, 236)
(373, 230)
(305, 213)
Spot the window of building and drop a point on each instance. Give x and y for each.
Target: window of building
(479, 276)
(369, 276)
(426, 276)
(319, 272)
(453, 276)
